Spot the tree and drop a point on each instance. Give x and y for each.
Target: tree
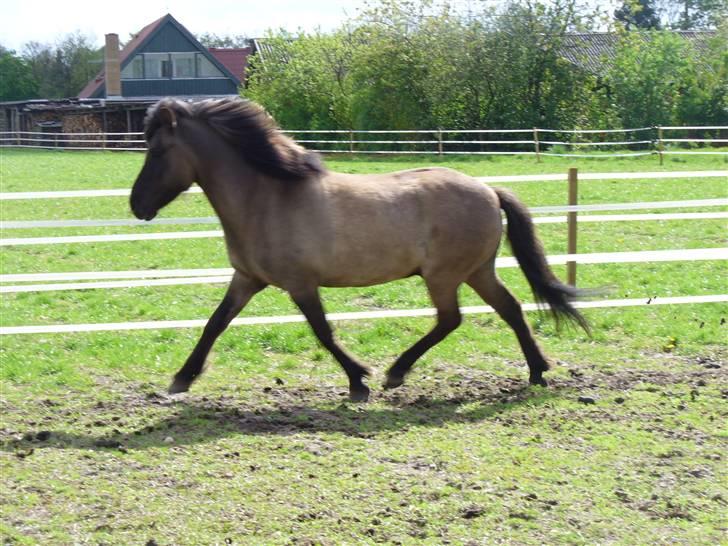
(638, 14)
(704, 93)
(389, 69)
(227, 41)
(303, 80)
(694, 14)
(535, 86)
(64, 69)
(16, 78)
(648, 76)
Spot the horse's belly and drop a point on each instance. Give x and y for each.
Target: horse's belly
(372, 268)
(362, 279)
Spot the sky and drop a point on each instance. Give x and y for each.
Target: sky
(48, 21)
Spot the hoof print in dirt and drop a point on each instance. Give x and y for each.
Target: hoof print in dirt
(107, 442)
(472, 511)
(41, 436)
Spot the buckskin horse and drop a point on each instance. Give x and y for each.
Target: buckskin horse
(291, 223)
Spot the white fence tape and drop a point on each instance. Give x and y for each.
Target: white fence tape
(56, 240)
(73, 194)
(108, 275)
(112, 222)
(632, 206)
(124, 222)
(110, 238)
(174, 277)
(649, 217)
(10, 196)
(360, 315)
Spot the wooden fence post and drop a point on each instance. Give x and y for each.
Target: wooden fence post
(571, 224)
(439, 142)
(660, 146)
(537, 145)
(106, 128)
(351, 142)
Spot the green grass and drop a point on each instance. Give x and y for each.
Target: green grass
(266, 450)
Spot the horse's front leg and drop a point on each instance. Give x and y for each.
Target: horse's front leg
(309, 303)
(238, 294)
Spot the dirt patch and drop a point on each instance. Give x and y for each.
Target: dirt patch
(140, 416)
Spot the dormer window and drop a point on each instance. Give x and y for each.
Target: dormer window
(156, 66)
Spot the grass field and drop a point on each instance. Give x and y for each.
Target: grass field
(265, 449)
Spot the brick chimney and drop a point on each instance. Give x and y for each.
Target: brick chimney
(112, 67)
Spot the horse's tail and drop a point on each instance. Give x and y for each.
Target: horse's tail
(531, 257)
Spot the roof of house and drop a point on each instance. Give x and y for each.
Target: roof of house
(128, 49)
(595, 51)
(234, 59)
(144, 36)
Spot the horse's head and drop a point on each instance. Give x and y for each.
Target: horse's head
(168, 169)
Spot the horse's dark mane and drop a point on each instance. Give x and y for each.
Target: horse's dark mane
(252, 132)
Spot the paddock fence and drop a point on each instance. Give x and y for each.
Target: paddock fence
(537, 142)
(575, 214)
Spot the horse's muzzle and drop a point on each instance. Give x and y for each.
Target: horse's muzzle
(141, 212)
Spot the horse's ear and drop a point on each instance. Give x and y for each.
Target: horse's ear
(167, 116)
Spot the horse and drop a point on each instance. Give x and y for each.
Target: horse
(289, 222)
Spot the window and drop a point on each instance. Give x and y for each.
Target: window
(205, 69)
(157, 65)
(134, 70)
(184, 65)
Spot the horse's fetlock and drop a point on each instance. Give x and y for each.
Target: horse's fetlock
(393, 381)
(359, 393)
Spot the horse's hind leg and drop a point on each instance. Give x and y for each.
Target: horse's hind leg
(445, 298)
(238, 294)
(487, 284)
(309, 303)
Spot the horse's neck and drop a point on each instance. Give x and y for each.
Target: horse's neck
(231, 186)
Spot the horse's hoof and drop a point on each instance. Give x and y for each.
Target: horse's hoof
(359, 394)
(393, 381)
(178, 386)
(538, 381)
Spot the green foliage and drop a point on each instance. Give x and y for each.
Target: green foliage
(390, 68)
(64, 69)
(16, 78)
(420, 64)
(657, 79)
(304, 80)
(638, 14)
(694, 14)
(704, 94)
(647, 76)
(210, 39)
(404, 65)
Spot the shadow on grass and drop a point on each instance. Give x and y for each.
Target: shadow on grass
(189, 421)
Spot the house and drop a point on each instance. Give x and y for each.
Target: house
(165, 59)
(162, 59)
(595, 52)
